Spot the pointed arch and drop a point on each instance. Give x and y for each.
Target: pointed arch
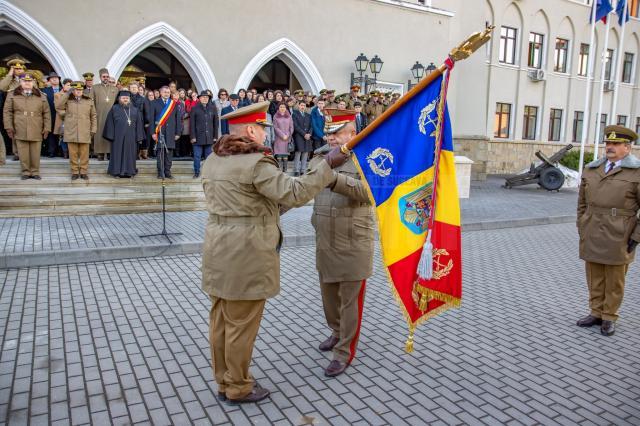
(291, 54)
(176, 43)
(45, 42)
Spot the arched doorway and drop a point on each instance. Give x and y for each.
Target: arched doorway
(275, 75)
(13, 43)
(160, 67)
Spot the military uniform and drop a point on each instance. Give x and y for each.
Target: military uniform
(8, 84)
(29, 118)
(343, 219)
(240, 262)
(373, 109)
(608, 224)
(80, 124)
(88, 76)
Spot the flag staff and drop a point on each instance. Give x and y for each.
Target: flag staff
(586, 118)
(602, 75)
(463, 51)
(618, 76)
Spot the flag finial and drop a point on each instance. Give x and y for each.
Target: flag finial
(471, 44)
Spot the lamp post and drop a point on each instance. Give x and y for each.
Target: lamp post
(418, 71)
(375, 66)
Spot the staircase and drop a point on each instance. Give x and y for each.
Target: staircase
(56, 194)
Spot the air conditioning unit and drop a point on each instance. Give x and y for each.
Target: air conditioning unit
(536, 75)
(609, 86)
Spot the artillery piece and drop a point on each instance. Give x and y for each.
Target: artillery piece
(546, 174)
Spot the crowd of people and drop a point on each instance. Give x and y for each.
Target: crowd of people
(117, 120)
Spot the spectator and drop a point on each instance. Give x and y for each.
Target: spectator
(243, 98)
(361, 118)
(140, 102)
(234, 100)
(148, 145)
(156, 94)
(317, 125)
(53, 82)
(184, 145)
(204, 123)
(283, 128)
(221, 103)
(58, 125)
(302, 138)
(250, 97)
(291, 105)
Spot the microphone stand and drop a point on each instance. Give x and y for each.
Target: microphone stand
(161, 149)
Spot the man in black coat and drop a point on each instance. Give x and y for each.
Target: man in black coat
(234, 100)
(302, 138)
(54, 87)
(169, 132)
(204, 128)
(361, 118)
(141, 103)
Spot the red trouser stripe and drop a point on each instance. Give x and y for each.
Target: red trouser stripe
(354, 342)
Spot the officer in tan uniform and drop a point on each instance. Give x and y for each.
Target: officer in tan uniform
(344, 224)
(8, 84)
(88, 82)
(374, 108)
(244, 191)
(353, 96)
(609, 225)
(331, 99)
(27, 120)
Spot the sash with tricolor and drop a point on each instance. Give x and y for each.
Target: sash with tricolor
(407, 163)
(165, 114)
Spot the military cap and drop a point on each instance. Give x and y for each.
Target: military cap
(619, 134)
(250, 114)
(336, 119)
(323, 91)
(77, 85)
(88, 76)
(331, 91)
(142, 79)
(299, 93)
(27, 77)
(355, 87)
(374, 93)
(16, 63)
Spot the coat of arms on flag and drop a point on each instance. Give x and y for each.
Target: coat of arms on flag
(406, 161)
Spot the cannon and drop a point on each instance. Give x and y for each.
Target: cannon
(546, 174)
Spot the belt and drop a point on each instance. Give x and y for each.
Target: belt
(344, 212)
(243, 220)
(613, 211)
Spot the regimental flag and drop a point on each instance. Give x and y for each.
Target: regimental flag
(412, 184)
(603, 8)
(623, 12)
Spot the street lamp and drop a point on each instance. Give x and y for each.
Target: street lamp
(418, 71)
(375, 66)
(431, 68)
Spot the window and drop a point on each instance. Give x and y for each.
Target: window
(503, 120)
(578, 122)
(603, 124)
(555, 124)
(583, 60)
(508, 45)
(622, 120)
(536, 42)
(627, 67)
(562, 52)
(608, 68)
(530, 120)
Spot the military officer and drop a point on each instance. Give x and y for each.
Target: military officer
(344, 224)
(244, 190)
(8, 84)
(27, 120)
(353, 96)
(609, 225)
(331, 99)
(374, 107)
(88, 82)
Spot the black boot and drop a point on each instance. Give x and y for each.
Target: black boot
(589, 321)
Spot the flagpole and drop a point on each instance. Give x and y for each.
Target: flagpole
(602, 74)
(587, 100)
(619, 59)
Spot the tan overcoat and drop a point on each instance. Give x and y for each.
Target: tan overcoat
(344, 222)
(373, 110)
(608, 209)
(79, 116)
(104, 96)
(243, 192)
(27, 116)
(9, 83)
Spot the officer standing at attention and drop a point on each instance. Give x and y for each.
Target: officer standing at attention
(608, 225)
(244, 190)
(344, 224)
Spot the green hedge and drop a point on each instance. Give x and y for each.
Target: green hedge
(572, 159)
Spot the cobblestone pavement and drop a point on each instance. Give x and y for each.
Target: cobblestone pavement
(488, 202)
(126, 341)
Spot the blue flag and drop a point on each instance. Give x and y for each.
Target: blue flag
(603, 8)
(623, 13)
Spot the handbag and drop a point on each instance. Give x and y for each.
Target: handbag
(290, 146)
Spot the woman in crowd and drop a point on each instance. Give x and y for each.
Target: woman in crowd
(243, 98)
(58, 126)
(148, 144)
(283, 128)
(221, 102)
(249, 97)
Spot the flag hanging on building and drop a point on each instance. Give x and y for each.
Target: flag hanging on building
(623, 12)
(603, 8)
(407, 162)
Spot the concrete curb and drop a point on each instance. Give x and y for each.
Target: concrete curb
(100, 254)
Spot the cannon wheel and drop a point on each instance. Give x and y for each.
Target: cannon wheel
(551, 179)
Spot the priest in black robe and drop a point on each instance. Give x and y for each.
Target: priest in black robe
(124, 128)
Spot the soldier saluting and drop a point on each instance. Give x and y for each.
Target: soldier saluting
(608, 225)
(244, 190)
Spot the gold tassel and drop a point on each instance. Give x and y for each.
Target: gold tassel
(409, 346)
(424, 299)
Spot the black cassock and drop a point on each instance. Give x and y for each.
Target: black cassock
(125, 130)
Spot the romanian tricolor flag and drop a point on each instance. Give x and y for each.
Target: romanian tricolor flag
(164, 115)
(407, 162)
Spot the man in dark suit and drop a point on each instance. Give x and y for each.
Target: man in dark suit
(302, 138)
(317, 124)
(54, 87)
(169, 133)
(204, 129)
(361, 118)
(234, 100)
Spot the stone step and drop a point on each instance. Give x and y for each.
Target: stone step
(99, 209)
(81, 200)
(62, 167)
(56, 181)
(93, 189)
